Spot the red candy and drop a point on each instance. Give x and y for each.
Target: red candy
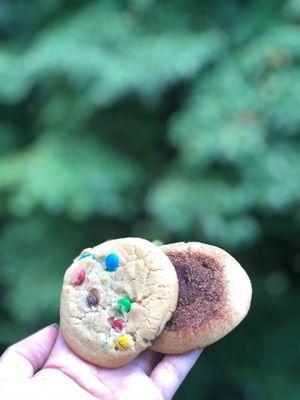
(117, 324)
(79, 277)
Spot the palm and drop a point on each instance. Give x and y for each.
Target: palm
(89, 381)
(65, 375)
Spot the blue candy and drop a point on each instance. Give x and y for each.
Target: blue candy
(112, 262)
(85, 255)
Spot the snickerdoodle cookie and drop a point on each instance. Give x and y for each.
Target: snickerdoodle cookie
(214, 296)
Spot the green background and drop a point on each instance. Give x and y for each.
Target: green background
(170, 120)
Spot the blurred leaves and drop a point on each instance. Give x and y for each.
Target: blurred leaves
(107, 61)
(173, 120)
(75, 175)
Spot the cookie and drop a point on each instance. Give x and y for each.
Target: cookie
(116, 299)
(214, 296)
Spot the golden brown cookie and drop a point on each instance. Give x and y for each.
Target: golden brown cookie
(116, 299)
(214, 296)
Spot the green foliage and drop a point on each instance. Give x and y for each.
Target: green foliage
(171, 120)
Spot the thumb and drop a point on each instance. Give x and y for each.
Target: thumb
(23, 359)
(62, 358)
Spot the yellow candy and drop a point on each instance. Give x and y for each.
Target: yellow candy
(124, 342)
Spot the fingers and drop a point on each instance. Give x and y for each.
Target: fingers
(171, 371)
(132, 375)
(84, 374)
(146, 361)
(141, 365)
(24, 358)
(49, 384)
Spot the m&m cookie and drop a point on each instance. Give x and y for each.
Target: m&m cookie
(116, 299)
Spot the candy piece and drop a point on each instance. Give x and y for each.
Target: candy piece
(112, 262)
(124, 305)
(124, 342)
(85, 255)
(79, 277)
(118, 324)
(93, 298)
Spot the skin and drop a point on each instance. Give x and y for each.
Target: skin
(42, 366)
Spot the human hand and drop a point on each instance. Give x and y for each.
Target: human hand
(42, 366)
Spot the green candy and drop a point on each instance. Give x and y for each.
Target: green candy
(124, 305)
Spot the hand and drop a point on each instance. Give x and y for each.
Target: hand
(42, 367)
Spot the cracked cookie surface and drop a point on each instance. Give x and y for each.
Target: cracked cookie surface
(116, 299)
